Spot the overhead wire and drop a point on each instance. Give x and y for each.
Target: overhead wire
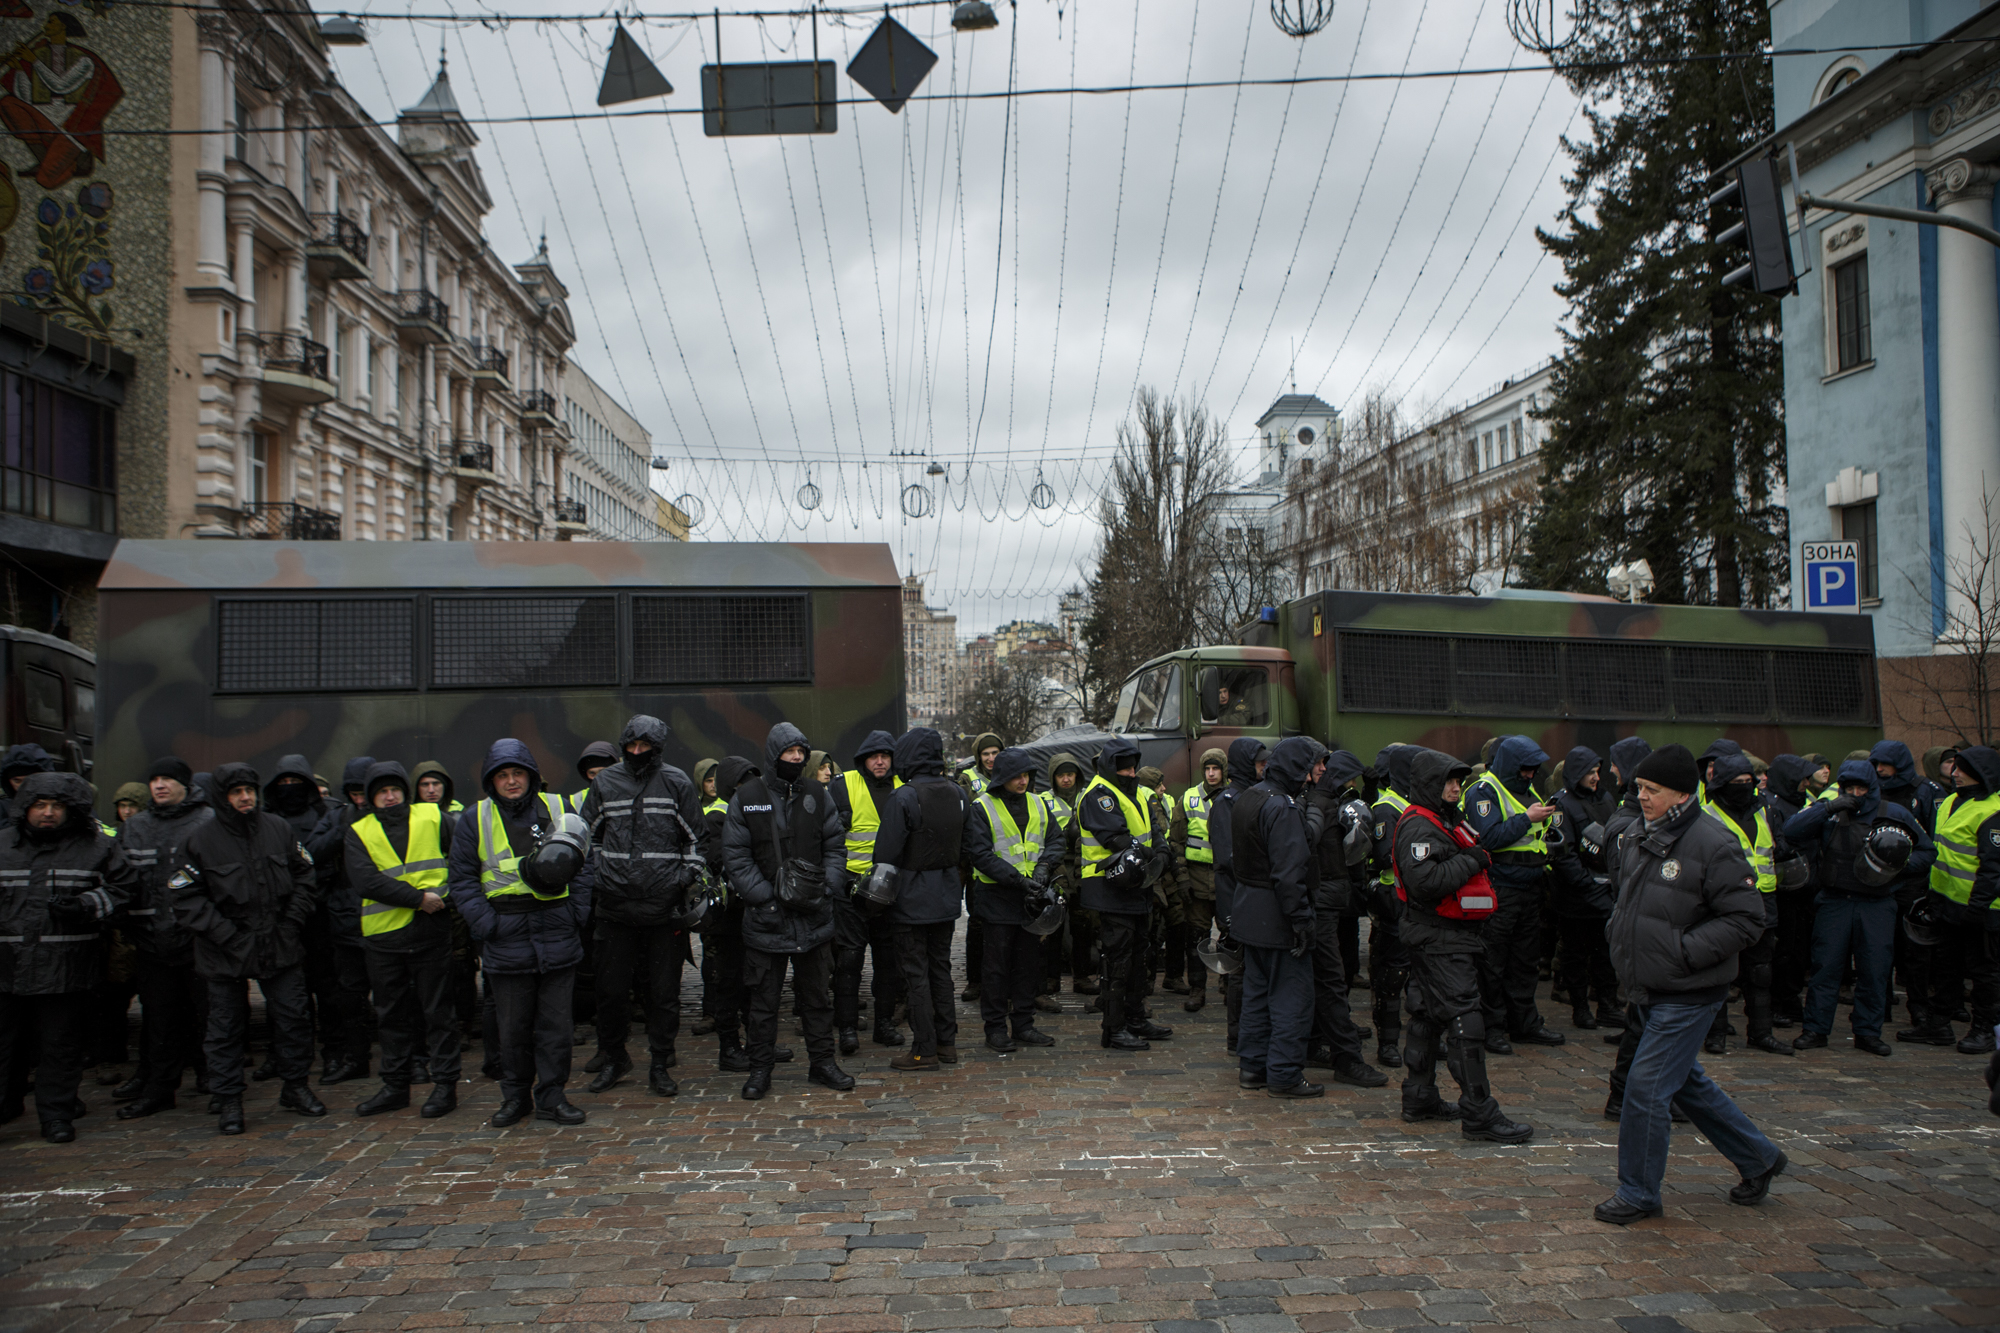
(1167, 209)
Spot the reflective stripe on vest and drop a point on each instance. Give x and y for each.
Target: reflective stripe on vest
(718, 806)
(1137, 823)
(1196, 801)
(499, 866)
(1510, 805)
(974, 779)
(423, 868)
(1396, 802)
(1018, 849)
(1759, 848)
(1957, 837)
(867, 820)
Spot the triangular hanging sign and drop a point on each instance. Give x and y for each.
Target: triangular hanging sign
(629, 74)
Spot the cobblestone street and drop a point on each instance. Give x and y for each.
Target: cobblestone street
(1053, 1188)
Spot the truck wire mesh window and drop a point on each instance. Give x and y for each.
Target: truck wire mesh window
(500, 642)
(1395, 673)
(1616, 681)
(315, 644)
(1721, 682)
(702, 639)
(1825, 687)
(1498, 675)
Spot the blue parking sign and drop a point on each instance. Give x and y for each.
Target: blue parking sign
(1831, 575)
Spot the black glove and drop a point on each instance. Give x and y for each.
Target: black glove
(1842, 804)
(1480, 855)
(1302, 941)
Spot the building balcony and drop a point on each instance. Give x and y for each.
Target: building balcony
(572, 518)
(295, 369)
(489, 368)
(472, 463)
(539, 411)
(337, 249)
(422, 316)
(287, 520)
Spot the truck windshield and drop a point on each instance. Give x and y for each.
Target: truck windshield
(1151, 701)
(1236, 697)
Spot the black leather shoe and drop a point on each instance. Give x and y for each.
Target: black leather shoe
(887, 1036)
(1389, 1054)
(1358, 1075)
(1581, 1017)
(59, 1131)
(1621, 1214)
(1440, 1110)
(1752, 1189)
(1715, 1044)
(229, 1118)
(1195, 1001)
(831, 1075)
(756, 1085)
(1150, 1030)
(1541, 1036)
(608, 1076)
(442, 1101)
(1001, 1042)
(1607, 1017)
(1979, 1041)
(1251, 1082)
(338, 1071)
(144, 1107)
(265, 1072)
(850, 1041)
(1499, 1130)
(562, 1113)
(703, 1025)
(511, 1112)
(1033, 1036)
(130, 1088)
(595, 1063)
(1498, 1045)
(1124, 1041)
(781, 1054)
(734, 1060)
(300, 1098)
(386, 1099)
(1300, 1090)
(661, 1083)
(1770, 1045)
(1872, 1045)
(1936, 1036)
(1809, 1041)
(1614, 1109)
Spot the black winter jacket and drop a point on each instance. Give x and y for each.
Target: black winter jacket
(249, 892)
(339, 904)
(1271, 854)
(1687, 905)
(1431, 866)
(49, 943)
(646, 823)
(152, 841)
(1003, 901)
(924, 819)
(426, 931)
(769, 925)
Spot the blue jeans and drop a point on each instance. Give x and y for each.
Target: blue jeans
(1666, 1069)
(1865, 929)
(1277, 1015)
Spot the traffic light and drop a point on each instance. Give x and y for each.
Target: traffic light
(1753, 191)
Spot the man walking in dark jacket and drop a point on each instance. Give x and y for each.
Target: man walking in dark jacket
(1272, 917)
(1111, 816)
(647, 828)
(785, 851)
(1015, 843)
(922, 837)
(396, 862)
(174, 998)
(245, 894)
(530, 939)
(1441, 878)
(1687, 906)
(61, 878)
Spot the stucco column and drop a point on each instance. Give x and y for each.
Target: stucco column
(1968, 357)
(246, 279)
(212, 253)
(295, 293)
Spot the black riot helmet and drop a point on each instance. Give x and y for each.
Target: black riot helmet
(559, 858)
(1884, 855)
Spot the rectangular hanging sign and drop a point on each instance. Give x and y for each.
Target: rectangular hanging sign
(788, 97)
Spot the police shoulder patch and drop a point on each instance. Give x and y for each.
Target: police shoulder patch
(1485, 808)
(1420, 850)
(811, 805)
(1670, 869)
(1378, 830)
(307, 856)
(1106, 803)
(1994, 837)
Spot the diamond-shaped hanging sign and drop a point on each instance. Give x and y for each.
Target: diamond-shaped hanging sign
(629, 73)
(891, 63)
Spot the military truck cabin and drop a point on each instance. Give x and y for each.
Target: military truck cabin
(51, 697)
(412, 651)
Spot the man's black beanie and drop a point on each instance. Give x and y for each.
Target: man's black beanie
(1670, 766)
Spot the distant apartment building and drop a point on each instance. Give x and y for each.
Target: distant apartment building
(930, 643)
(607, 472)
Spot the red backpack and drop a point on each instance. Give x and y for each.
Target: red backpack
(1474, 900)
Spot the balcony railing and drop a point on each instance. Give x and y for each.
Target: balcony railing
(423, 314)
(286, 520)
(339, 245)
(489, 366)
(472, 456)
(294, 354)
(539, 403)
(572, 511)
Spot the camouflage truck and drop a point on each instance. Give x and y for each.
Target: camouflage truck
(249, 650)
(51, 697)
(1358, 670)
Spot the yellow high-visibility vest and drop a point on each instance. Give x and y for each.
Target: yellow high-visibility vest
(1137, 823)
(1758, 847)
(1018, 847)
(1957, 836)
(867, 820)
(1396, 801)
(499, 863)
(423, 867)
(1196, 802)
(1510, 805)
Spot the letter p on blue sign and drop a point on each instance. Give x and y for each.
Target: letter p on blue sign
(1831, 575)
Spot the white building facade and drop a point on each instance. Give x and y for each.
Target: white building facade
(607, 470)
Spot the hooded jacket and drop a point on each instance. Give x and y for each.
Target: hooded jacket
(1491, 822)
(1243, 755)
(1432, 867)
(431, 768)
(546, 940)
(1392, 783)
(1103, 817)
(1905, 788)
(703, 768)
(302, 808)
(729, 775)
(1687, 905)
(1003, 901)
(22, 760)
(1271, 853)
(1834, 831)
(1064, 806)
(1977, 912)
(49, 943)
(1782, 796)
(250, 891)
(427, 931)
(1341, 888)
(924, 824)
(646, 825)
(970, 776)
(1197, 877)
(878, 742)
(1578, 893)
(804, 822)
(152, 841)
(327, 845)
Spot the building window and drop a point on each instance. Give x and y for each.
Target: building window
(59, 455)
(258, 489)
(242, 132)
(1852, 345)
(1857, 524)
(368, 371)
(1518, 452)
(340, 336)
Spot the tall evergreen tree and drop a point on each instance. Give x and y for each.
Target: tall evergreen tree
(1666, 423)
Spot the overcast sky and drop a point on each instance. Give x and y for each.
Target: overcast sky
(808, 307)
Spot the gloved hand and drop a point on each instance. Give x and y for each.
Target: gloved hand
(98, 903)
(1481, 855)
(1843, 804)
(1302, 940)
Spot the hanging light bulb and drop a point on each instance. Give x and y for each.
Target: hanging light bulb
(974, 16)
(934, 470)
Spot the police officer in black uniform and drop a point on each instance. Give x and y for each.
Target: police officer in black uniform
(1339, 824)
(174, 999)
(921, 844)
(1511, 821)
(1111, 816)
(1273, 917)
